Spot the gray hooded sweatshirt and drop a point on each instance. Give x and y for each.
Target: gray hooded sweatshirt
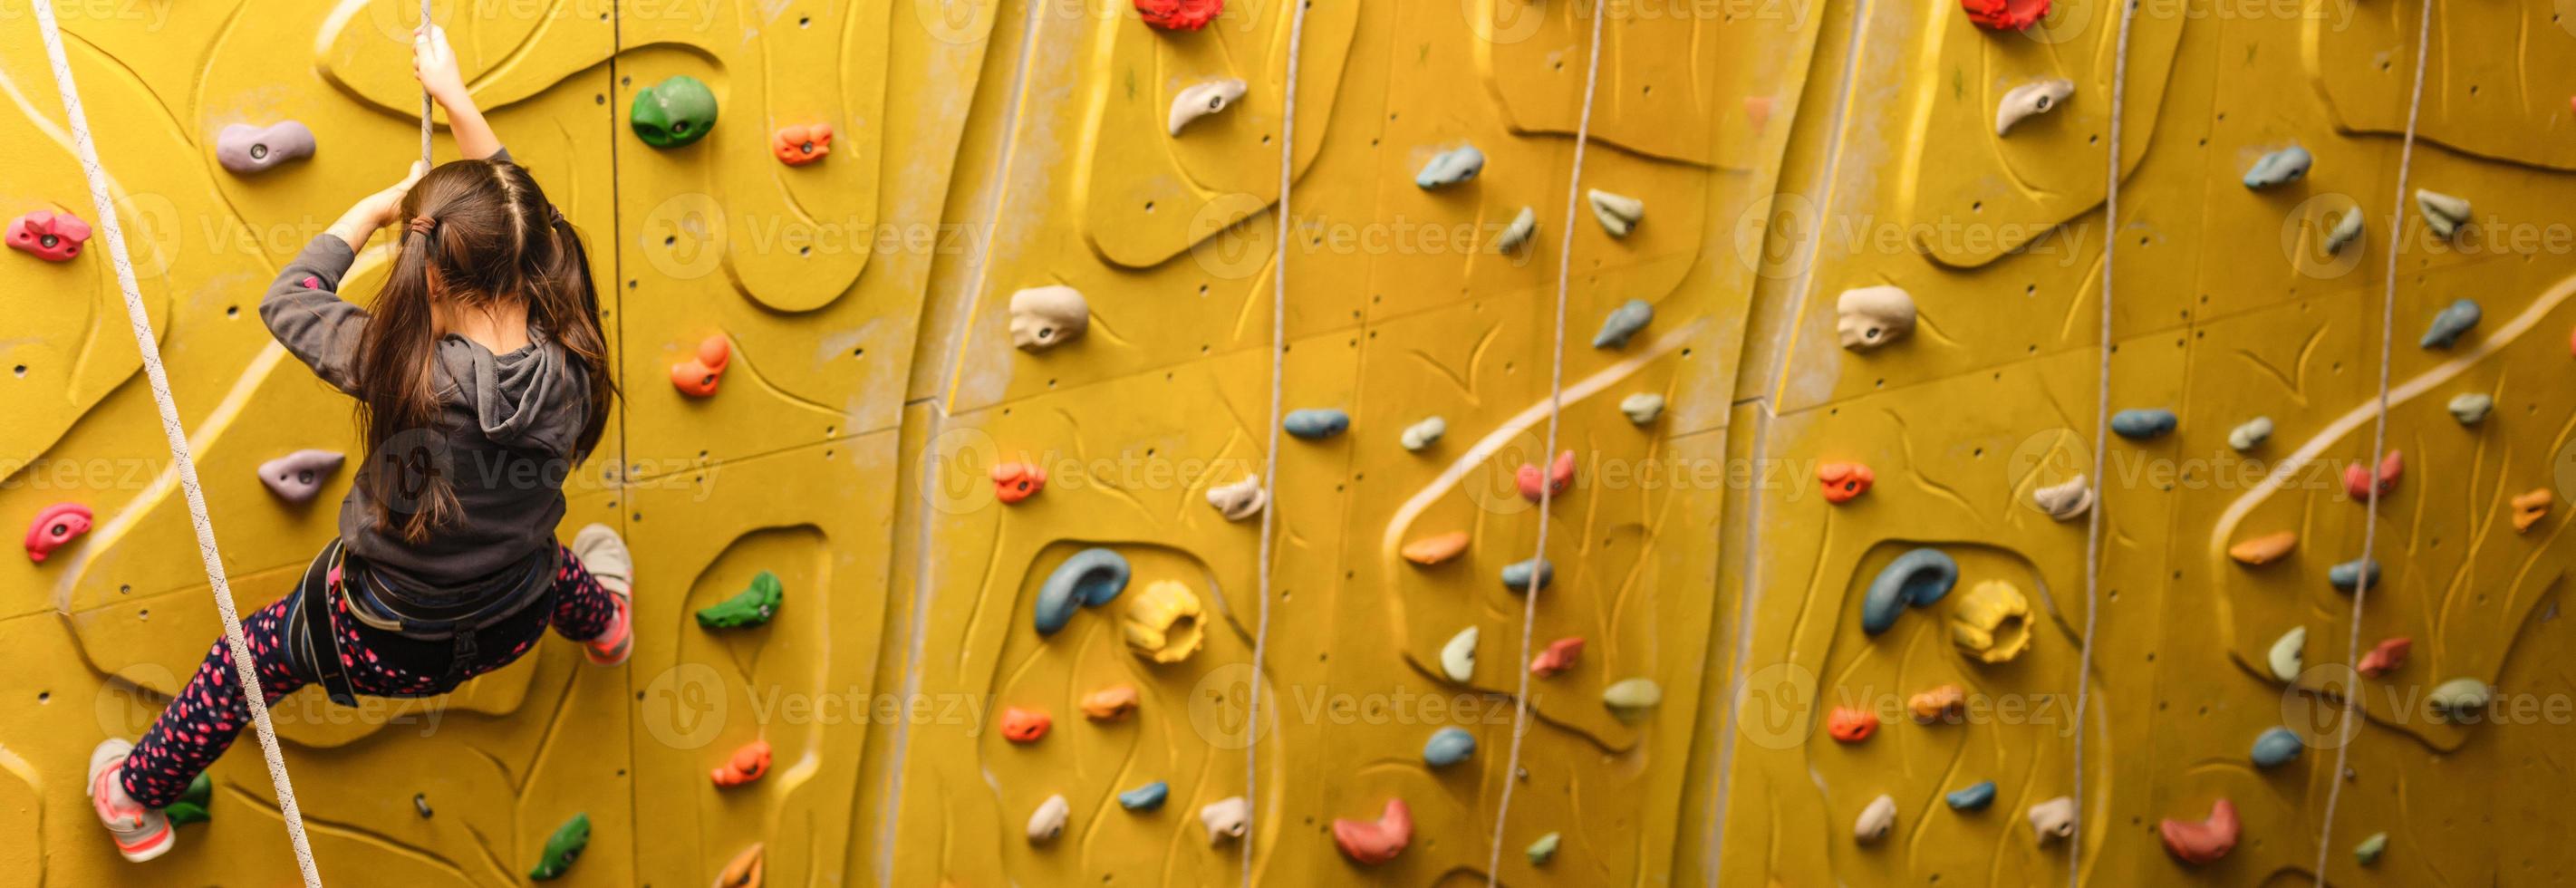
(505, 440)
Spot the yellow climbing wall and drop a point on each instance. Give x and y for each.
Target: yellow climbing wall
(1785, 152)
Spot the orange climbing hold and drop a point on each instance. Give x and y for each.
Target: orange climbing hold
(697, 377)
(744, 871)
(2204, 841)
(1435, 549)
(2388, 656)
(2530, 507)
(56, 526)
(2005, 15)
(1024, 725)
(1560, 655)
(1111, 703)
(2264, 549)
(1179, 15)
(2357, 478)
(1945, 703)
(1013, 482)
(749, 763)
(1378, 841)
(1843, 481)
(1848, 725)
(799, 145)
(1560, 475)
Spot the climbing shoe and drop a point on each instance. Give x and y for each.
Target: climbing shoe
(141, 833)
(605, 556)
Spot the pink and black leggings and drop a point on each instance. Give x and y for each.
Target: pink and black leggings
(210, 711)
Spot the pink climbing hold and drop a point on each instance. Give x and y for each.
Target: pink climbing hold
(2005, 15)
(1378, 841)
(1560, 475)
(2357, 478)
(55, 527)
(2204, 841)
(2389, 656)
(50, 236)
(1560, 655)
(1179, 15)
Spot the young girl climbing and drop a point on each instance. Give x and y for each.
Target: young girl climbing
(481, 378)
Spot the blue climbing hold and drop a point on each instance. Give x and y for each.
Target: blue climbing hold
(2348, 575)
(1145, 798)
(1974, 798)
(2453, 320)
(2276, 747)
(1450, 167)
(1517, 575)
(1315, 424)
(2278, 167)
(1448, 746)
(1091, 578)
(1623, 322)
(1916, 578)
(2140, 425)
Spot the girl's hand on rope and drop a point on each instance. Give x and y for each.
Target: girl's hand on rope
(433, 63)
(374, 211)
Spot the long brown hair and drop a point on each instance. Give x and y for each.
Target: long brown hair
(492, 238)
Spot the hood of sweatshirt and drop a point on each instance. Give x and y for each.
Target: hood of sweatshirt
(533, 398)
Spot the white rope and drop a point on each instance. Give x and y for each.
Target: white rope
(425, 106)
(147, 343)
(2101, 444)
(2378, 447)
(1547, 455)
(1287, 225)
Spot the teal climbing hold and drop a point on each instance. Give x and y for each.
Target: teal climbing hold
(1315, 424)
(1518, 575)
(1973, 798)
(562, 848)
(1091, 578)
(675, 112)
(1450, 167)
(1543, 850)
(2449, 323)
(1914, 579)
(2349, 575)
(2277, 746)
(1448, 746)
(1145, 798)
(753, 606)
(1623, 322)
(2278, 167)
(2140, 425)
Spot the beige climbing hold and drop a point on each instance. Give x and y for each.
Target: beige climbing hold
(1047, 822)
(2289, 654)
(1423, 434)
(1619, 213)
(1524, 225)
(2530, 507)
(1046, 317)
(2053, 820)
(1875, 821)
(1202, 99)
(1991, 624)
(1632, 697)
(2443, 213)
(1944, 703)
(1111, 703)
(2066, 501)
(1458, 657)
(1239, 500)
(2264, 549)
(1226, 818)
(2031, 100)
(1163, 622)
(744, 871)
(2346, 230)
(1434, 549)
(1642, 407)
(1868, 317)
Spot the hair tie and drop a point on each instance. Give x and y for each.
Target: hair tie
(422, 224)
(554, 215)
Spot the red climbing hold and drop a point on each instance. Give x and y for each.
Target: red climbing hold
(1013, 482)
(2204, 841)
(1179, 15)
(697, 377)
(2005, 15)
(801, 145)
(51, 236)
(2356, 477)
(1848, 725)
(749, 763)
(1559, 656)
(1560, 475)
(1024, 725)
(2387, 657)
(55, 527)
(1844, 481)
(1379, 841)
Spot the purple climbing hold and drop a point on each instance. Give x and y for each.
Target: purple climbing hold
(246, 149)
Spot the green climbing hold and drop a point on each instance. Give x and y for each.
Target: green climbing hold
(750, 607)
(191, 806)
(674, 112)
(563, 848)
(1543, 850)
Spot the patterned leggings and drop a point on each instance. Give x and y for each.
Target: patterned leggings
(210, 711)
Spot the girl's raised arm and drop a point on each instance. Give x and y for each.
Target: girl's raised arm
(433, 63)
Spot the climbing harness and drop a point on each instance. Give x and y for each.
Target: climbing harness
(1287, 228)
(1555, 410)
(338, 580)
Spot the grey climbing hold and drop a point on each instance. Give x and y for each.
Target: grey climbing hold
(1202, 99)
(1091, 578)
(1047, 822)
(1517, 235)
(1868, 317)
(1315, 424)
(1448, 746)
(2367, 853)
(2250, 435)
(1915, 579)
(1629, 697)
(297, 477)
(2277, 746)
(2453, 320)
(1642, 407)
(1458, 657)
(1145, 798)
(1875, 821)
(2141, 425)
(2065, 501)
(2443, 213)
(1239, 500)
(2349, 575)
(2288, 654)
(1518, 575)
(2031, 100)
(2346, 230)
(2472, 408)
(1046, 317)
(2460, 698)
(1450, 167)
(1972, 798)
(1543, 850)
(2278, 167)
(1423, 434)
(1622, 323)
(1619, 213)
(246, 149)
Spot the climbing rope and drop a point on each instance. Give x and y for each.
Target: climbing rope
(2378, 440)
(149, 344)
(2101, 445)
(1555, 409)
(1287, 226)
